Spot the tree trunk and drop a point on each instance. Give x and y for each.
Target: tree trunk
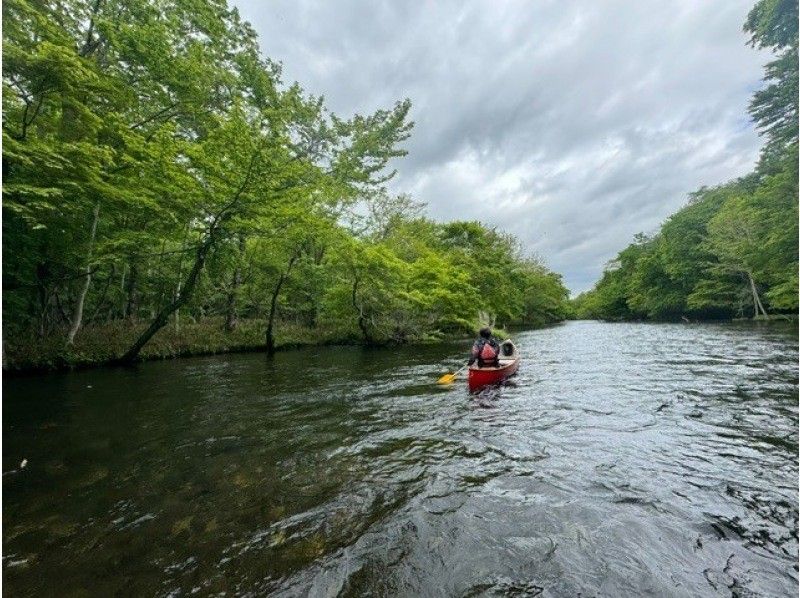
(231, 318)
(271, 318)
(274, 305)
(177, 311)
(161, 319)
(44, 305)
(122, 292)
(178, 286)
(61, 313)
(362, 321)
(43, 297)
(77, 315)
(757, 305)
(103, 295)
(132, 301)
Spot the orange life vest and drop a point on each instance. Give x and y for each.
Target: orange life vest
(488, 352)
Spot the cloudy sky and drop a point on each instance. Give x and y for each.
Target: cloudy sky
(573, 124)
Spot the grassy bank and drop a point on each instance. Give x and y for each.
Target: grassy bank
(97, 345)
(102, 344)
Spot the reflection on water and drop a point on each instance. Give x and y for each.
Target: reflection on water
(624, 459)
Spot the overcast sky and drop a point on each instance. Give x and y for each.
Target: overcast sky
(573, 124)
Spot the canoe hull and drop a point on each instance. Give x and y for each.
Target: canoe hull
(479, 377)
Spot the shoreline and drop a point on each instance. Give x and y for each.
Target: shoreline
(101, 346)
(98, 346)
(92, 349)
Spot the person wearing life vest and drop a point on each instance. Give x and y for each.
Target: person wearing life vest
(485, 350)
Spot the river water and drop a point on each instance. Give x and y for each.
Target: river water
(623, 460)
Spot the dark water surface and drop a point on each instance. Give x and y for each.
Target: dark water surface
(624, 460)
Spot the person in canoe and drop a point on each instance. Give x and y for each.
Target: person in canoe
(485, 350)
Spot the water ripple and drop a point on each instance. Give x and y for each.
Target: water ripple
(623, 460)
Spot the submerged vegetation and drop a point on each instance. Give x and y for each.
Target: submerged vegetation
(733, 250)
(159, 177)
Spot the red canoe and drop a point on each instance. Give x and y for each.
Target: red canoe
(509, 363)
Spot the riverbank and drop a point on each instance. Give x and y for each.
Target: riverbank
(686, 319)
(103, 344)
(100, 345)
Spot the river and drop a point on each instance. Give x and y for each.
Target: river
(623, 460)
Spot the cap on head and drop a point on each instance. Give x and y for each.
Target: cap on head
(486, 332)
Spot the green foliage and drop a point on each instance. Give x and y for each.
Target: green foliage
(418, 279)
(158, 173)
(756, 236)
(702, 261)
(773, 24)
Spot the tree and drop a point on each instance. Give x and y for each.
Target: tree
(93, 93)
(157, 168)
(756, 236)
(773, 24)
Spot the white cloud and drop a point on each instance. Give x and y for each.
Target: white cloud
(572, 124)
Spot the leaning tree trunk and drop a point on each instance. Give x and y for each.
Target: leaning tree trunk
(77, 314)
(757, 305)
(162, 317)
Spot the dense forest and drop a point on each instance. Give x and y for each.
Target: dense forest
(165, 192)
(732, 251)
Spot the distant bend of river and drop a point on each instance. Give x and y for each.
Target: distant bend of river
(623, 460)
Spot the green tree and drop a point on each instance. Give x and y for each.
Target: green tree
(773, 24)
(158, 170)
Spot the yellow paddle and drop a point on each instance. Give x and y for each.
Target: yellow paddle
(449, 378)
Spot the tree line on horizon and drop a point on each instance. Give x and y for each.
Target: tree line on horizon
(158, 171)
(732, 251)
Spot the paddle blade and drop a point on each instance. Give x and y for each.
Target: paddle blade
(447, 379)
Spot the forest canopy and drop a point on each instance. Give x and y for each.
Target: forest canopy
(732, 251)
(158, 173)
